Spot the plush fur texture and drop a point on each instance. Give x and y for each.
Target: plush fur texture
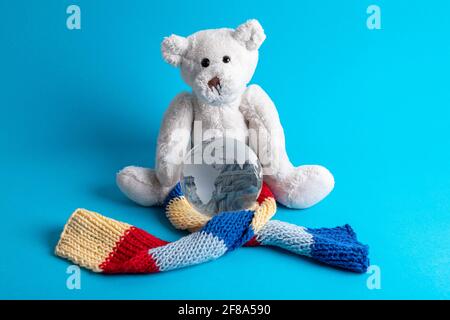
(218, 64)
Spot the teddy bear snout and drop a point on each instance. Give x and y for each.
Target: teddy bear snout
(215, 83)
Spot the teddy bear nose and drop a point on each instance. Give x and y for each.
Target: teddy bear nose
(214, 82)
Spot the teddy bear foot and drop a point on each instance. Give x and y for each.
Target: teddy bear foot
(303, 187)
(141, 185)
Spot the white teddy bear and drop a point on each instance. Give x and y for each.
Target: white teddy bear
(218, 64)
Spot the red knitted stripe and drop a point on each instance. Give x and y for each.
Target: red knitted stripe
(252, 242)
(265, 193)
(130, 255)
(142, 262)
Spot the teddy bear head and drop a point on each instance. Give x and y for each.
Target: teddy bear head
(218, 63)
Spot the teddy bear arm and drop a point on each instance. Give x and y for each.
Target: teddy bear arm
(174, 139)
(266, 129)
(295, 187)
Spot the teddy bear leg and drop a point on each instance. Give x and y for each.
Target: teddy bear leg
(301, 187)
(141, 185)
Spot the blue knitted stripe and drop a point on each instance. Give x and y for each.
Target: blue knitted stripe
(196, 248)
(233, 227)
(339, 247)
(175, 193)
(287, 236)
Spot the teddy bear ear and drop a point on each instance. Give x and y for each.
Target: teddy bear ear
(250, 34)
(173, 48)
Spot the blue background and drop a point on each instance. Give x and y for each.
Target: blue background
(372, 106)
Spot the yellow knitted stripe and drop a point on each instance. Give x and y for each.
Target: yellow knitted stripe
(183, 216)
(88, 238)
(263, 213)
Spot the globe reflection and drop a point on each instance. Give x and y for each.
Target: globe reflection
(220, 175)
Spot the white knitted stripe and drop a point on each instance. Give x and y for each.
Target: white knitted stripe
(193, 249)
(287, 236)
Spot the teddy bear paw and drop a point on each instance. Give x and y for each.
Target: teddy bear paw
(306, 186)
(141, 185)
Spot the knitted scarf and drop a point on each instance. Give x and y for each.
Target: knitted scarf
(105, 245)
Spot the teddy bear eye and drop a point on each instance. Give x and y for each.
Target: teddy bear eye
(205, 63)
(226, 59)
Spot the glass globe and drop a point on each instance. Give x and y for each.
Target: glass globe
(221, 174)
